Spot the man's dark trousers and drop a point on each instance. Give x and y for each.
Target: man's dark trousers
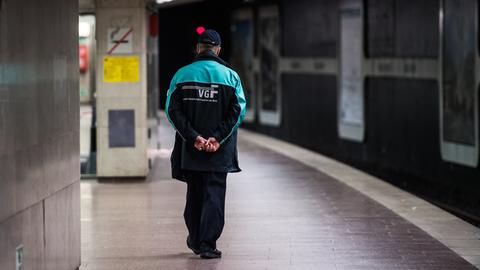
(205, 208)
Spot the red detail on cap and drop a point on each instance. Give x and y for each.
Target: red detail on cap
(200, 30)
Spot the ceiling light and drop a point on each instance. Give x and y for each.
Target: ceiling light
(84, 29)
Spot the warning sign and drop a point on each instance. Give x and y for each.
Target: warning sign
(119, 40)
(118, 69)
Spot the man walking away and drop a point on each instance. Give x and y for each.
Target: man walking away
(205, 105)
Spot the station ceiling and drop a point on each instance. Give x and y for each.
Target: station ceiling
(88, 6)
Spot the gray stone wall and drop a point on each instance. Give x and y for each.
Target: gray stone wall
(39, 129)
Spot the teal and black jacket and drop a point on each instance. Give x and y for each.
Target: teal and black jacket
(205, 98)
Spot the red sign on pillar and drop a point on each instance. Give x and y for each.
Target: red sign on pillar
(83, 57)
(154, 25)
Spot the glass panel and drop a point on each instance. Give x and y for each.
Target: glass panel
(269, 61)
(459, 71)
(242, 55)
(351, 50)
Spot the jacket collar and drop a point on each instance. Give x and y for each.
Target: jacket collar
(209, 55)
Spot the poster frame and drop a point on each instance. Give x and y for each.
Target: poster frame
(351, 131)
(454, 152)
(247, 14)
(269, 117)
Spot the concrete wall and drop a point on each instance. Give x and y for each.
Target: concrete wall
(39, 128)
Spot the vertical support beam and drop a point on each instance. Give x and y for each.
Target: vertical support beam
(121, 88)
(152, 81)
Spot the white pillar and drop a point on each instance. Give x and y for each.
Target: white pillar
(121, 88)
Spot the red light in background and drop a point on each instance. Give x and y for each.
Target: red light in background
(200, 30)
(83, 57)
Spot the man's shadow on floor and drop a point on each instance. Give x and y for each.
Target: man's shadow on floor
(184, 255)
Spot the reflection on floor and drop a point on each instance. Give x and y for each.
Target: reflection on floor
(85, 131)
(280, 215)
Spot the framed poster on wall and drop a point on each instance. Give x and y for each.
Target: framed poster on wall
(459, 82)
(351, 115)
(242, 28)
(269, 56)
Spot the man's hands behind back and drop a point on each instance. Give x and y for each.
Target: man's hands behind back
(200, 143)
(211, 145)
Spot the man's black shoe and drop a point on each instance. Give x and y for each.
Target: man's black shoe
(211, 254)
(192, 247)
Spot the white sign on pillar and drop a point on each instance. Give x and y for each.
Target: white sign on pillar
(119, 40)
(351, 116)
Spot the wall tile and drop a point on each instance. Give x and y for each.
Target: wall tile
(62, 229)
(25, 228)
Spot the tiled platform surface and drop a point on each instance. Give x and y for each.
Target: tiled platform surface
(280, 214)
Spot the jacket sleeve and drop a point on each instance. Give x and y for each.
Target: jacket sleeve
(176, 116)
(235, 115)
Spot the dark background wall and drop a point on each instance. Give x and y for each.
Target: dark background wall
(402, 144)
(402, 28)
(177, 35)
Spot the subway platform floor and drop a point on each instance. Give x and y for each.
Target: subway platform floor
(281, 213)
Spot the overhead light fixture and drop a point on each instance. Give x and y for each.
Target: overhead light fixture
(84, 29)
(163, 1)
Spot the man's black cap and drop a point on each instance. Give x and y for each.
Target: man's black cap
(211, 37)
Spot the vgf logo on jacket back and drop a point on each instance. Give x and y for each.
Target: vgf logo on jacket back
(208, 94)
(204, 93)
